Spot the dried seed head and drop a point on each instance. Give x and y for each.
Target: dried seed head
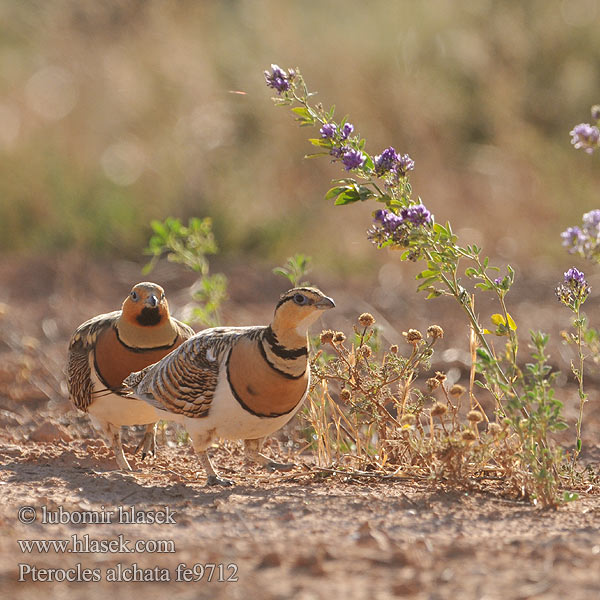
(408, 419)
(474, 416)
(435, 331)
(412, 336)
(339, 337)
(468, 436)
(438, 409)
(345, 395)
(366, 319)
(365, 351)
(327, 336)
(394, 349)
(432, 383)
(457, 390)
(441, 377)
(494, 429)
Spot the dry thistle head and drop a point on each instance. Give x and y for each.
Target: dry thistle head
(435, 331)
(327, 336)
(494, 429)
(345, 395)
(438, 409)
(441, 377)
(468, 436)
(365, 351)
(474, 416)
(394, 349)
(412, 336)
(457, 390)
(366, 319)
(432, 383)
(339, 337)
(408, 419)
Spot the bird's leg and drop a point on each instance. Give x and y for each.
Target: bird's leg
(148, 443)
(252, 448)
(113, 434)
(200, 443)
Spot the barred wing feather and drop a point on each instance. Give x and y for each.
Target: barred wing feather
(184, 381)
(79, 381)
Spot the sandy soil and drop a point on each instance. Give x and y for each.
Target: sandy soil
(300, 535)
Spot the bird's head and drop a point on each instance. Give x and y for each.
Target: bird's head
(299, 308)
(146, 305)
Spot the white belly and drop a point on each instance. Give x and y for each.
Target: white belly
(118, 410)
(228, 420)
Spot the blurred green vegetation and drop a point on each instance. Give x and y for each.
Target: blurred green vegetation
(114, 114)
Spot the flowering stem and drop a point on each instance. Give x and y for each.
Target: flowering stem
(582, 395)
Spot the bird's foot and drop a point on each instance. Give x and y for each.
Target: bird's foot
(122, 462)
(216, 480)
(148, 445)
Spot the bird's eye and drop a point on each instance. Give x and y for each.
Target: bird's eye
(134, 296)
(300, 299)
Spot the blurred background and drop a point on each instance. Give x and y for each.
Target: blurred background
(116, 113)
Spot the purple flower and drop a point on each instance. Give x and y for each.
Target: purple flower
(596, 112)
(417, 215)
(277, 79)
(353, 159)
(591, 219)
(574, 290)
(573, 239)
(405, 163)
(498, 280)
(386, 161)
(379, 215)
(347, 130)
(389, 161)
(328, 130)
(388, 220)
(574, 276)
(339, 151)
(585, 136)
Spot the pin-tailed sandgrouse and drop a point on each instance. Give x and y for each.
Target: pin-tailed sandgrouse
(107, 348)
(236, 382)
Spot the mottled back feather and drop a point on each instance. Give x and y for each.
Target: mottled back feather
(184, 382)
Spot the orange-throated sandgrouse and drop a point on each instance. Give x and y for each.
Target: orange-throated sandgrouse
(236, 382)
(107, 348)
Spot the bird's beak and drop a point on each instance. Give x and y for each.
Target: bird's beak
(152, 301)
(325, 303)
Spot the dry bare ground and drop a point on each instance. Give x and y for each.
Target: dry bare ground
(295, 535)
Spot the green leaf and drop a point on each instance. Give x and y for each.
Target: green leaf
(334, 192)
(365, 193)
(348, 197)
(570, 496)
(425, 284)
(321, 143)
(484, 355)
(304, 115)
